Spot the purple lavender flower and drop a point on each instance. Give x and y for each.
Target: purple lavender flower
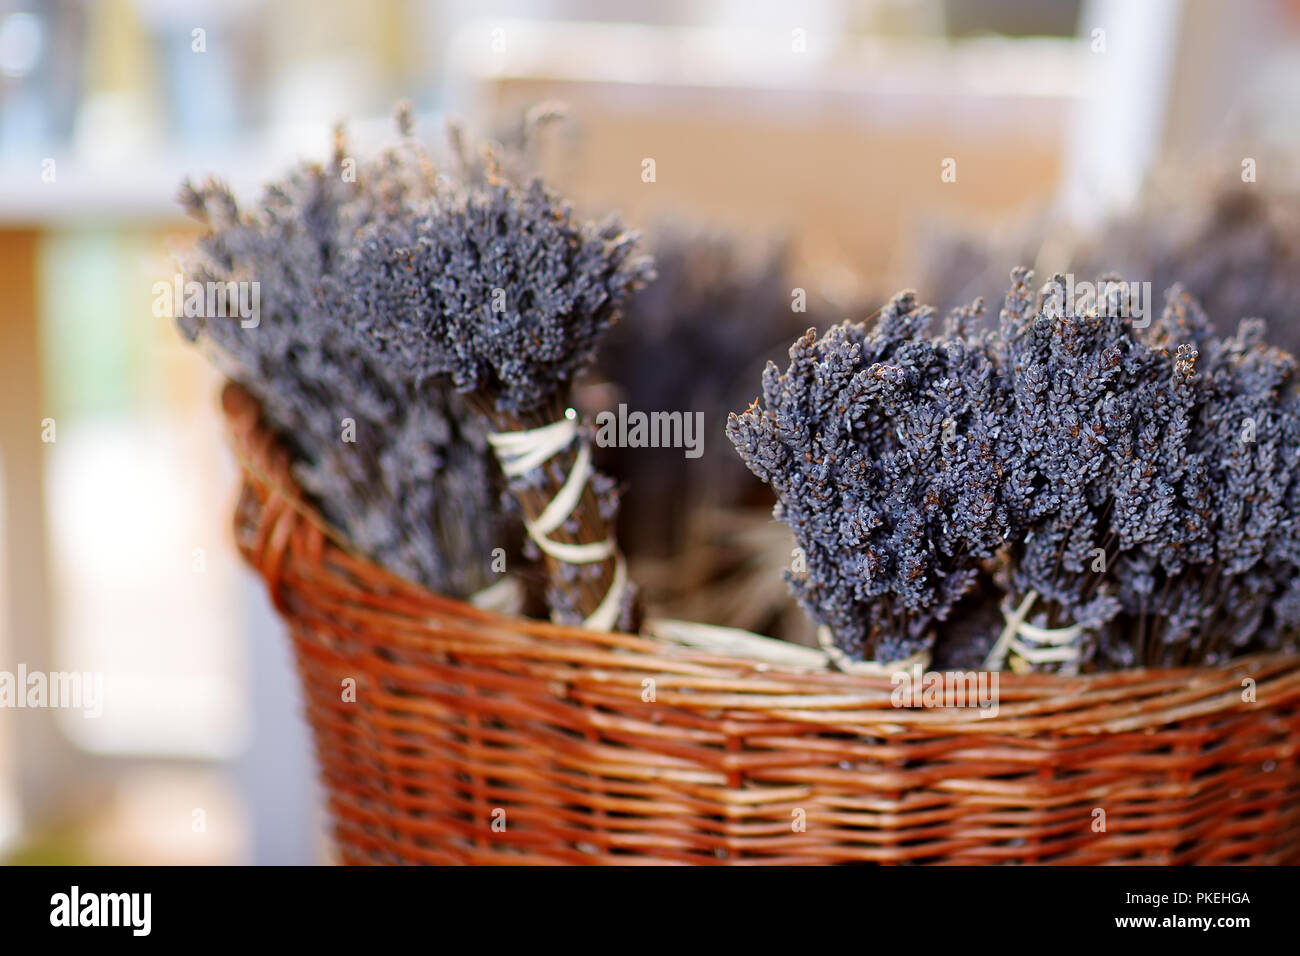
(886, 450)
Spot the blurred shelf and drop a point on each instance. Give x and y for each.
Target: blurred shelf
(636, 54)
(142, 190)
(140, 193)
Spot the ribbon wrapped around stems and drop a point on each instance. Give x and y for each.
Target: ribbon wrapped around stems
(602, 599)
(1028, 646)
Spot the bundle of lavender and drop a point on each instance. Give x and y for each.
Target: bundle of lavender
(497, 290)
(466, 304)
(1156, 481)
(1133, 494)
(406, 477)
(1238, 252)
(886, 450)
(693, 340)
(697, 527)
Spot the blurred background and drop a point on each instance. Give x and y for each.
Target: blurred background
(852, 128)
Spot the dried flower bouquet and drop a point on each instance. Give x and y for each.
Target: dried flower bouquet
(1135, 490)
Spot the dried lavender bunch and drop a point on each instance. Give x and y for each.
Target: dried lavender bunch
(1151, 474)
(1137, 487)
(693, 341)
(1070, 400)
(411, 482)
(886, 451)
(1242, 437)
(1238, 253)
(497, 289)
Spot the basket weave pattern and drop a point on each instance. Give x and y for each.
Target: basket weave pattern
(482, 739)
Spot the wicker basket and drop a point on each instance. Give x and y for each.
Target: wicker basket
(450, 734)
